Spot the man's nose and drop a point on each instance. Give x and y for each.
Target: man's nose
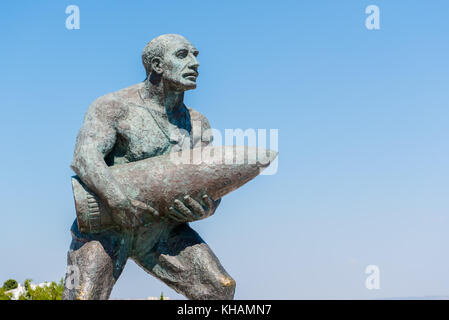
(194, 64)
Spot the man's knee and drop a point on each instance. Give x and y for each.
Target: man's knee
(91, 256)
(214, 283)
(225, 288)
(187, 264)
(221, 288)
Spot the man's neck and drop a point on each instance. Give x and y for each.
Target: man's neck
(168, 101)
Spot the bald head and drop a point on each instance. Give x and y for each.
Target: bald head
(171, 60)
(158, 47)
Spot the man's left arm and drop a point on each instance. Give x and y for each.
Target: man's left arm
(207, 137)
(190, 209)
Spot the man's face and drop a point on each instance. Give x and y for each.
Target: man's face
(181, 65)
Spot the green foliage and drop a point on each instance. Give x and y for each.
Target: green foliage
(3, 295)
(27, 284)
(10, 284)
(51, 292)
(162, 296)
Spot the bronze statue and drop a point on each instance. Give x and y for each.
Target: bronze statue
(143, 121)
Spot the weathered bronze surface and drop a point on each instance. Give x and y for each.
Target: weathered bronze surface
(146, 216)
(160, 180)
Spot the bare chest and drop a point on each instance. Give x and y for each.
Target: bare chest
(145, 133)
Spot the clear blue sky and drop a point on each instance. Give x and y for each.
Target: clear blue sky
(363, 136)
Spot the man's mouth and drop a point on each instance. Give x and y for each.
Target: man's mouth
(190, 75)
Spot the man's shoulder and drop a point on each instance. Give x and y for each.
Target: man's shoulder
(129, 94)
(117, 101)
(198, 120)
(198, 116)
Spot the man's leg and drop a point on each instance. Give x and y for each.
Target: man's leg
(94, 264)
(183, 261)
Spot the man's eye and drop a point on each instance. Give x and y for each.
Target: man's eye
(182, 54)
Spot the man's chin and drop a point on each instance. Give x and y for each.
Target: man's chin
(190, 85)
(183, 85)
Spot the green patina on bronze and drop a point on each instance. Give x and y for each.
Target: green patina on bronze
(130, 127)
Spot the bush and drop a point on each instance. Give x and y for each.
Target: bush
(3, 295)
(51, 292)
(10, 284)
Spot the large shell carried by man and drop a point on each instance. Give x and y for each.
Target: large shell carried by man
(158, 181)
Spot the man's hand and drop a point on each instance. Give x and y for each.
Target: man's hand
(190, 209)
(133, 213)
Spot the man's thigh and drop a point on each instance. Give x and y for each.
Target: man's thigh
(95, 261)
(116, 245)
(183, 261)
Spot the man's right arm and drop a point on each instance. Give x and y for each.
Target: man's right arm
(95, 140)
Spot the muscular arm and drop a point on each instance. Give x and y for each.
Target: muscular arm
(95, 140)
(207, 138)
(196, 209)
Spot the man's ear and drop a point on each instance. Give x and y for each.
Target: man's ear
(156, 65)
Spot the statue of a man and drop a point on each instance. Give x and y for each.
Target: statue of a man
(142, 121)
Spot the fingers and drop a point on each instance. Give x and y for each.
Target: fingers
(177, 216)
(196, 207)
(183, 209)
(138, 204)
(187, 210)
(145, 207)
(153, 211)
(208, 201)
(137, 214)
(190, 209)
